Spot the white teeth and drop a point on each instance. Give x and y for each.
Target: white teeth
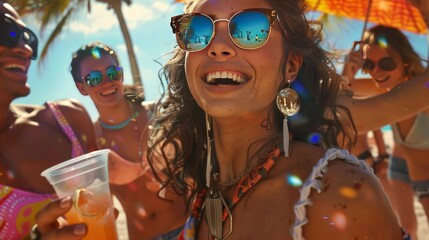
(108, 92)
(211, 77)
(15, 66)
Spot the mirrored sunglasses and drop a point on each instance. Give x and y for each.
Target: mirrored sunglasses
(113, 73)
(385, 64)
(248, 29)
(11, 32)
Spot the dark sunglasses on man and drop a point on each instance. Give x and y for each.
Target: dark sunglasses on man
(11, 32)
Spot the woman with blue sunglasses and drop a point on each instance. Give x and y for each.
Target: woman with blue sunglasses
(250, 152)
(123, 125)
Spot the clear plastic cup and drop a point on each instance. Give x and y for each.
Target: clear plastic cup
(86, 180)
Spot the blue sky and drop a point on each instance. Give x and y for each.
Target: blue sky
(149, 25)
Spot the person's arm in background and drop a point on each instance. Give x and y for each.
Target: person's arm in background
(402, 102)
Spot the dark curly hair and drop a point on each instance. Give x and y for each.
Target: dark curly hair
(180, 121)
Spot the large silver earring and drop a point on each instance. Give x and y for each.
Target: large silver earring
(288, 104)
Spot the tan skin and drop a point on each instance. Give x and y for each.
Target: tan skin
(387, 81)
(147, 214)
(237, 125)
(28, 131)
(396, 104)
(263, 81)
(400, 193)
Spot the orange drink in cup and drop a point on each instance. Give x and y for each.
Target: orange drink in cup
(86, 179)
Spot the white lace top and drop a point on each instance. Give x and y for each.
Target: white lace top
(313, 182)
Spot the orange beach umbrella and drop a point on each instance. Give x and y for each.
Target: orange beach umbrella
(395, 13)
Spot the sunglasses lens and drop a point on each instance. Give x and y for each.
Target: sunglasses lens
(250, 30)
(9, 32)
(30, 38)
(94, 78)
(114, 73)
(368, 65)
(387, 64)
(194, 32)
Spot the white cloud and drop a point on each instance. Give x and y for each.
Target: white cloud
(136, 14)
(123, 48)
(103, 19)
(161, 6)
(100, 19)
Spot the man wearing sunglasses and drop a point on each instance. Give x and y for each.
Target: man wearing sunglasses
(32, 138)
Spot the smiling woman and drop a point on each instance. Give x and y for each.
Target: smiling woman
(387, 55)
(123, 126)
(251, 151)
(221, 146)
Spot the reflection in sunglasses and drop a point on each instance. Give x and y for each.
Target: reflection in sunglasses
(113, 73)
(249, 29)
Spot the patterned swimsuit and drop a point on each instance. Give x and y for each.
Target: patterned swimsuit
(18, 208)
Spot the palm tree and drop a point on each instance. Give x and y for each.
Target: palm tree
(61, 11)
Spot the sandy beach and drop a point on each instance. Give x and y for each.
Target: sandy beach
(422, 228)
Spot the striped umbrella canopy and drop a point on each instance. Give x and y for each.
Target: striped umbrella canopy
(394, 13)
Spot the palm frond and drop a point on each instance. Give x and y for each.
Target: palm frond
(55, 33)
(52, 12)
(24, 7)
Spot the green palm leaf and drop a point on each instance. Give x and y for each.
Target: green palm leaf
(54, 34)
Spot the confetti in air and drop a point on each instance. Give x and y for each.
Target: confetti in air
(339, 220)
(382, 42)
(95, 52)
(348, 192)
(314, 138)
(293, 180)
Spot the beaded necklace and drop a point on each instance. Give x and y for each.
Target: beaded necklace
(123, 124)
(115, 127)
(246, 183)
(133, 118)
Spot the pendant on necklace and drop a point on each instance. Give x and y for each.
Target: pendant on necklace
(214, 205)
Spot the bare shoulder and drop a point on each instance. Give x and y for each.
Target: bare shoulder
(78, 118)
(70, 104)
(75, 113)
(351, 205)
